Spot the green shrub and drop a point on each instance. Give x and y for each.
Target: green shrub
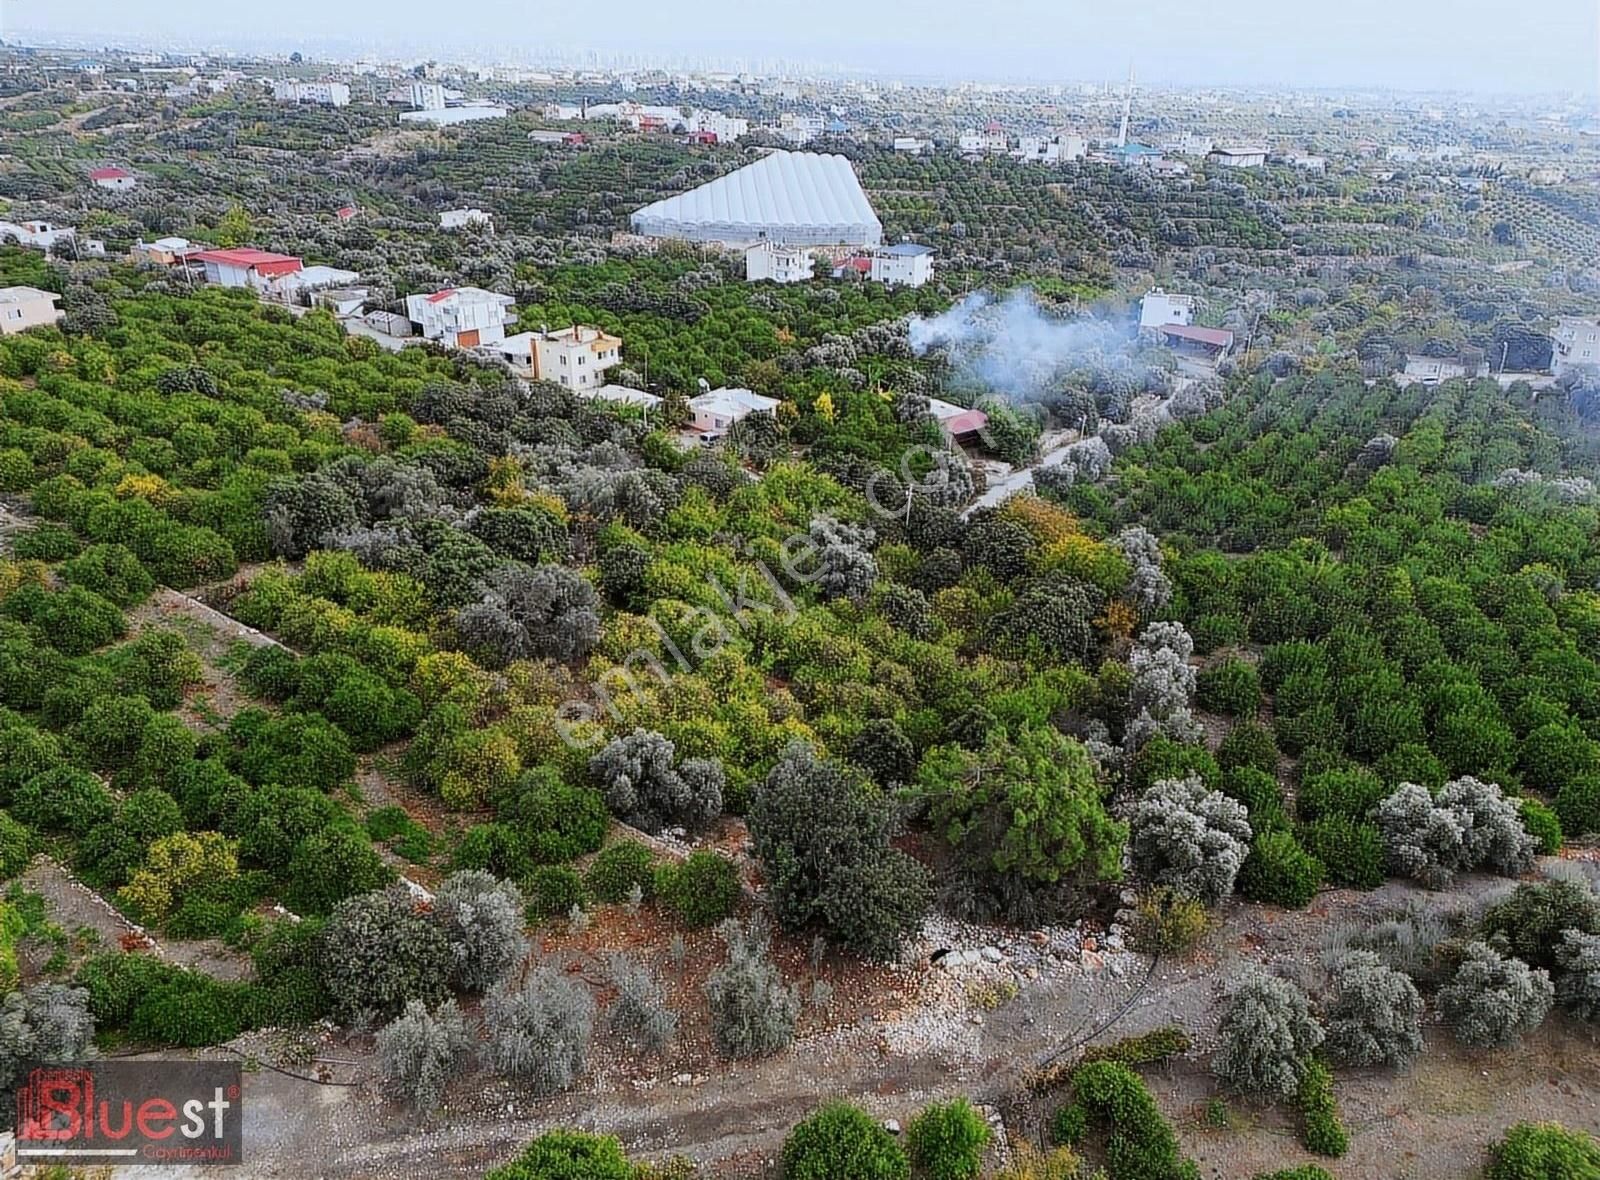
(1304, 1172)
(946, 1141)
(1278, 870)
(557, 822)
(701, 891)
(1351, 853)
(1169, 922)
(1140, 1144)
(618, 868)
(1161, 758)
(1260, 794)
(1320, 1129)
(1349, 794)
(394, 826)
(567, 1155)
(47, 542)
(1542, 824)
(842, 1142)
(1578, 805)
(1251, 744)
(1157, 1045)
(553, 890)
(16, 847)
(1544, 1151)
(1531, 921)
(1232, 687)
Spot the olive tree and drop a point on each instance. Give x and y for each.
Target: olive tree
(524, 613)
(753, 1012)
(1493, 999)
(1189, 837)
(482, 920)
(1376, 1014)
(419, 1052)
(1266, 1032)
(640, 784)
(539, 1031)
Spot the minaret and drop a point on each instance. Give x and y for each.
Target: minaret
(1127, 107)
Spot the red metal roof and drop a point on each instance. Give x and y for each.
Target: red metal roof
(109, 174)
(345, 212)
(441, 296)
(263, 262)
(968, 423)
(1216, 337)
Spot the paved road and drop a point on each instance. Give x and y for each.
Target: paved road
(1017, 481)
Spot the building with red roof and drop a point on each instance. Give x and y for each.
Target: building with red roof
(246, 267)
(345, 212)
(116, 179)
(1209, 342)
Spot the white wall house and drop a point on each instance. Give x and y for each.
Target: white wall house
(991, 142)
(780, 264)
(912, 145)
(458, 218)
(461, 317)
(116, 179)
(1575, 345)
(715, 411)
(22, 308)
(1157, 309)
(1054, 149)
(41, 235)
(904, 265)
(1191, 144)
(427, 96)
(726, 128)
(260, 270)
(327, 94)
(575, 358)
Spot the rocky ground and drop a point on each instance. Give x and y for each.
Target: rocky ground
(989, 1010)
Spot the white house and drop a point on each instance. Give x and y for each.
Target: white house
(447, 116)
(781, 264)
(1238, 157)
(310, 279)
(903, 265)
(427, 96)
(1575, 345)
(726, 128)
(575, 357)
(1157, 309)
(115, 179)
(327, 94)
(461, 317)
(41, 235)
(912, 145)
(163, 251)
(800, 129)
(22, 308)
(991, 142)
(259, 270)
(1190, 144)
(621, 395)
(346, 303)
(713, 412)
(1306, 163)
(457, 218)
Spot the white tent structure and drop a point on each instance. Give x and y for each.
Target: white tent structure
(792, 198)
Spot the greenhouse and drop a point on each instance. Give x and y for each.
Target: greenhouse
(794, 198)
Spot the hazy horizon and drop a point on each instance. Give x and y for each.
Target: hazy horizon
(1541, 46)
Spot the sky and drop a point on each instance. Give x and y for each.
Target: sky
(1472, 45)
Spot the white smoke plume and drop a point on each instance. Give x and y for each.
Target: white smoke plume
(1012, 346)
